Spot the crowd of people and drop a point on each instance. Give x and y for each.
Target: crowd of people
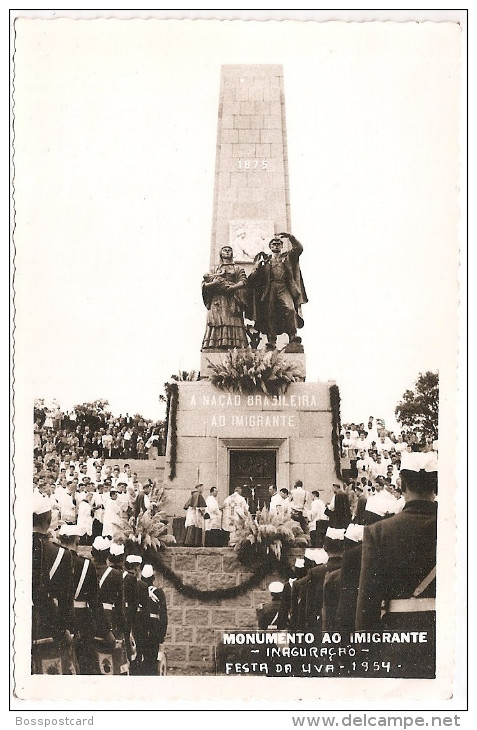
(104, 614)
(100, 498)
(82, 433)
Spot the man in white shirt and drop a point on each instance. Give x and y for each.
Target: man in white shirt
(126, 476)
(400, 444)
(67, 503)
(363, 443)
(107, 441)
(91, 466)
(112, 514)
(318, 521)
(298, 499)
(123, 497)
(364, 464)
(377, 469)
(383, 443)
(127, 442)
(380, 504)
(71, 472)
(280, 505)
(213, 525)
(348, 446)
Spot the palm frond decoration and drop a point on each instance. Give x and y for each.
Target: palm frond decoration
(268, 536)
(246, 371)
(149, 530)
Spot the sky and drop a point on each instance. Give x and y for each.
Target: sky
(115, 142)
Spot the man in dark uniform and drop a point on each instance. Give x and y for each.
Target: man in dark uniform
(278, 291)
(300, 618)
(86, 605)
(112, 657)
(340, 589)
(398, 570)
(130, 603)
(141, 621)
(52, 598)
(284, 617)
(156, 622)
(330, 560)
(268, 613)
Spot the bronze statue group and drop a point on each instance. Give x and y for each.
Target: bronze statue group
(271, 297)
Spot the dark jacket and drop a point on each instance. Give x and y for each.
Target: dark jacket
(87, 619)
(269, 613)
(314, 594)
(259, 283)
(130, 598)
(398, 553)
(349, 582)
(157, 621)
(111, 595)
(52, 597)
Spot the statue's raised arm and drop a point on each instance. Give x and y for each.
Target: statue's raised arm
(278, 291)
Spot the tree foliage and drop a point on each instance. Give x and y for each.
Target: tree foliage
(418, 411)
(92, 414)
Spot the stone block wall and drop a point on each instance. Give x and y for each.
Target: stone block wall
(193, 625)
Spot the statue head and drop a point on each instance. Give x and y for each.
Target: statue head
(276, 244)
(226, 253)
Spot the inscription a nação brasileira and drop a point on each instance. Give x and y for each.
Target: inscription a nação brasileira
(304, 400)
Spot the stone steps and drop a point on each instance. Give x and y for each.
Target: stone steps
(145, 468)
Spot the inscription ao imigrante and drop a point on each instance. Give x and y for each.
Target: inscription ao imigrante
(257, 411)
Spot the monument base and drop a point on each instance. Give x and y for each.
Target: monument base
(226, 439)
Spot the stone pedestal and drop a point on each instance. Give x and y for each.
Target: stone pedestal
(211, 423)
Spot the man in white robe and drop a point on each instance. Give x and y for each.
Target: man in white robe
(234, 506)
(213, 525)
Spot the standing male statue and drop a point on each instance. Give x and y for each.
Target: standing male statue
(277, 291)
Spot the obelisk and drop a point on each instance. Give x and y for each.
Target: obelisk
(251, 196)
(219, 437)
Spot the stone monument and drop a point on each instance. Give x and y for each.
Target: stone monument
(255, 439)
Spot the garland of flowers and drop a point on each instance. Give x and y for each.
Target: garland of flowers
(335, 402)
(172, 391)
(219, 593)
(246, 371)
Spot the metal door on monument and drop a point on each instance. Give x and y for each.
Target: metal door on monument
(254, 471)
